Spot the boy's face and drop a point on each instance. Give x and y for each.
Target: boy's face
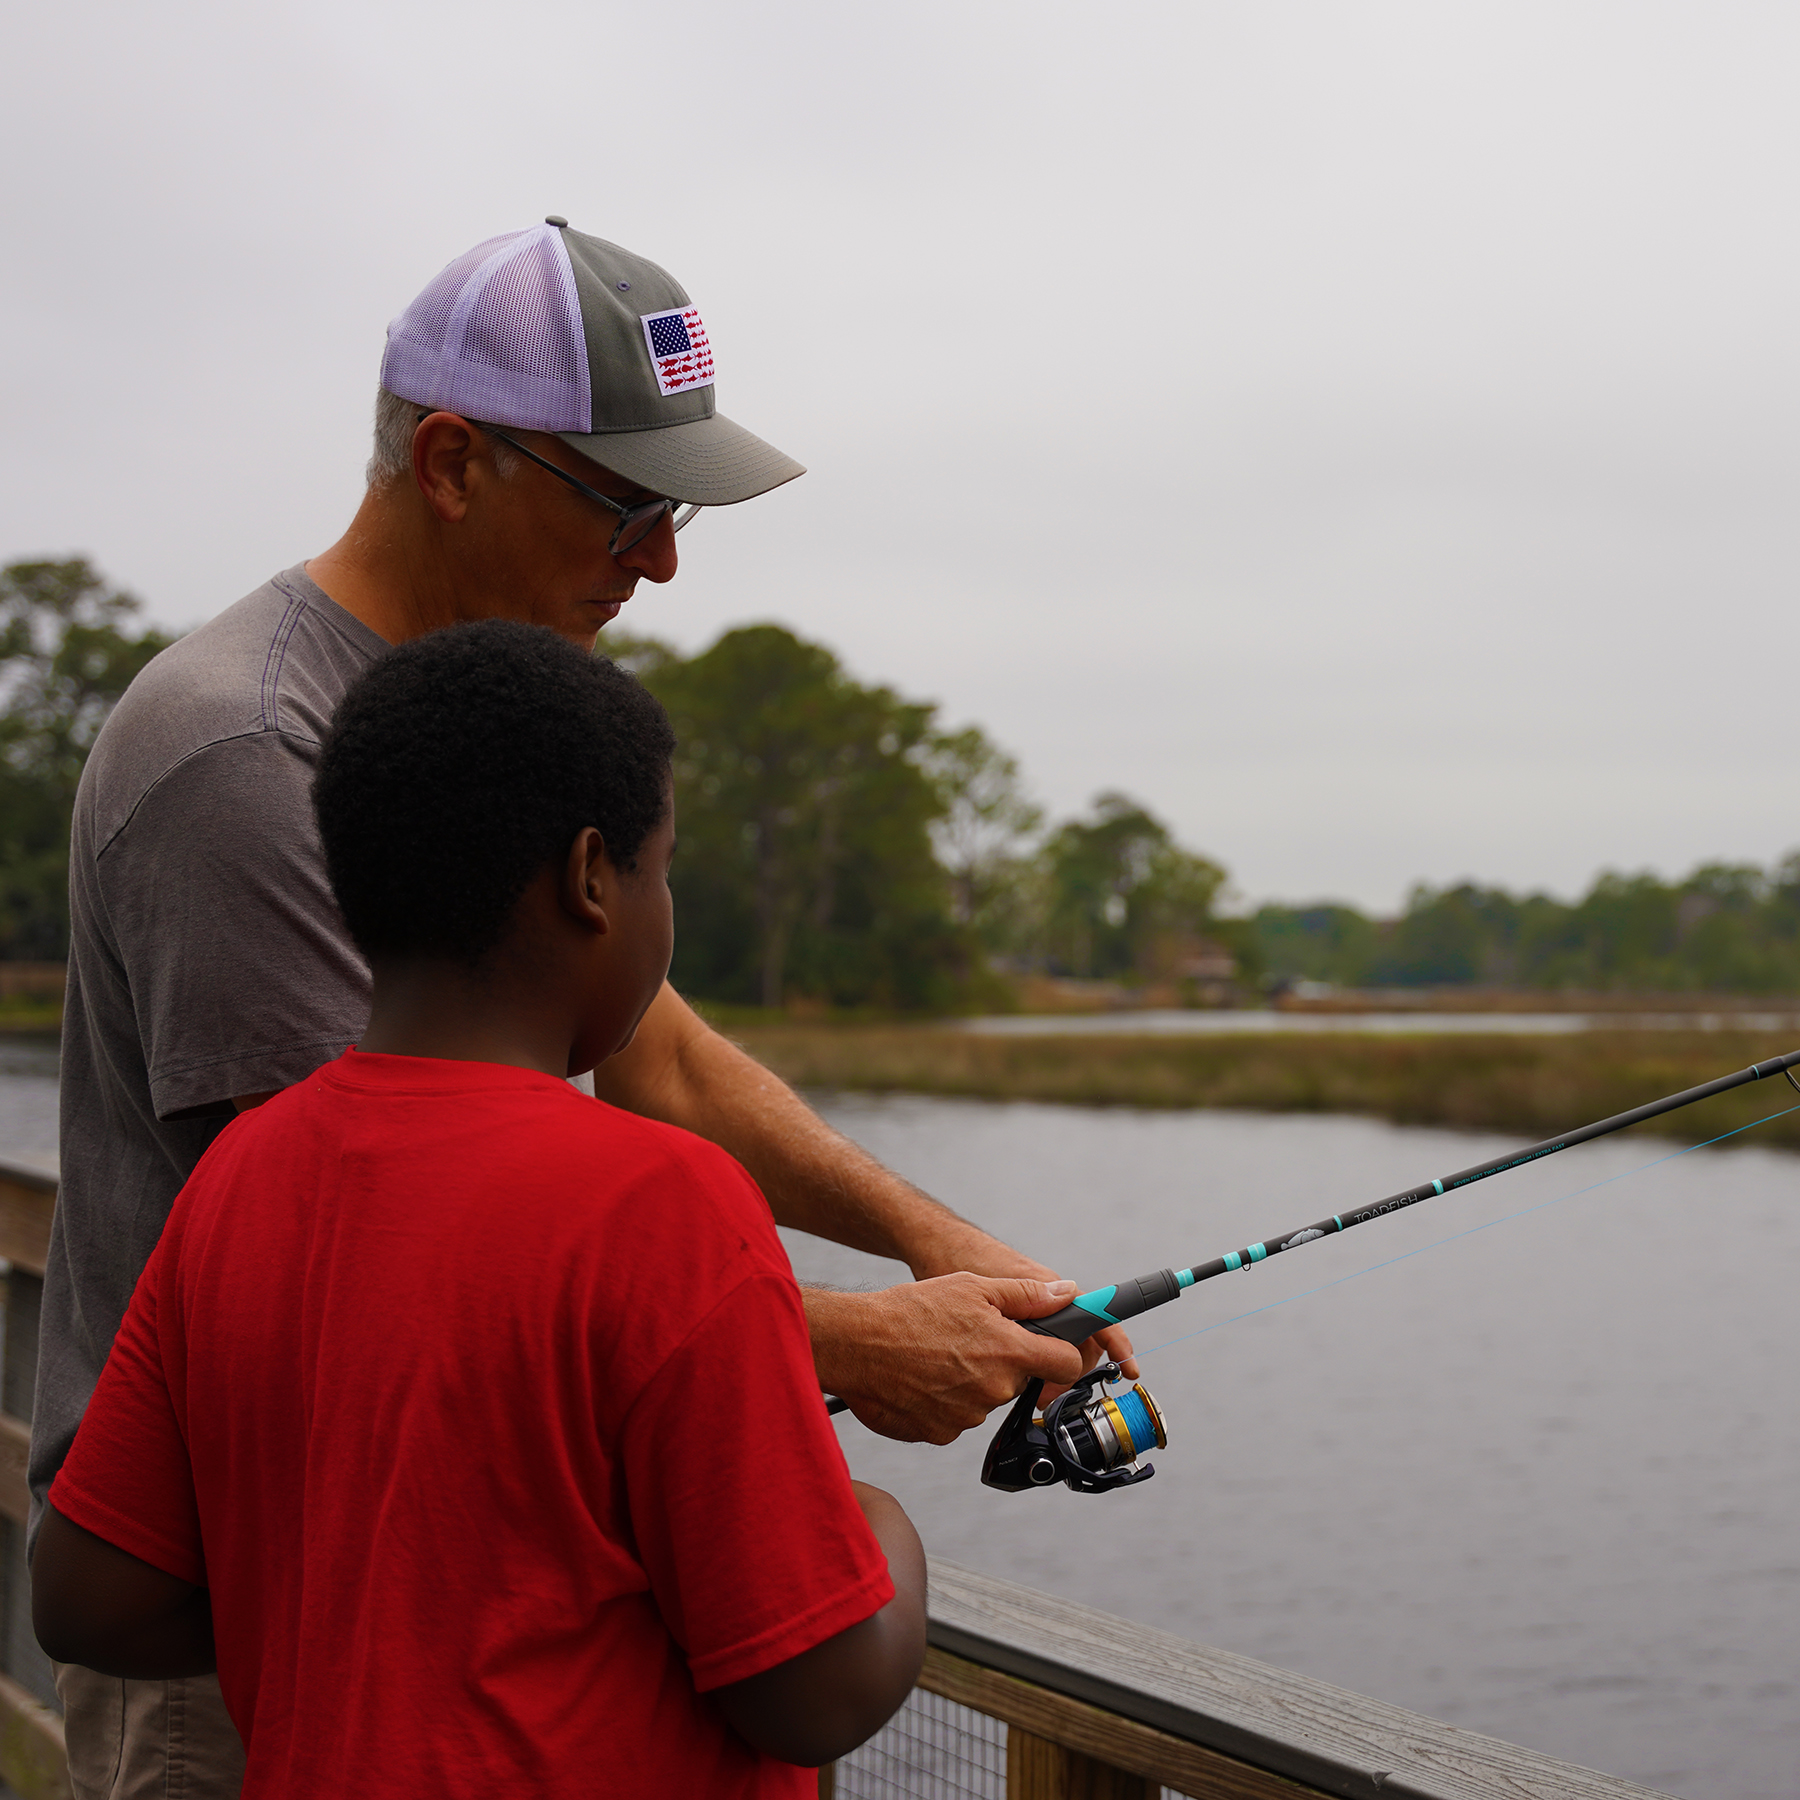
(640, 940)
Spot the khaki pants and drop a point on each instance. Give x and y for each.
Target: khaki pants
(149, 1740)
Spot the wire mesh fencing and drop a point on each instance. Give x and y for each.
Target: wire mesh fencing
(933, 1749)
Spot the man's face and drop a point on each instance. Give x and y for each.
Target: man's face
(541, 547)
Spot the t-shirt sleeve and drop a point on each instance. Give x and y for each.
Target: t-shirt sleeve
(243, 976)
(128, 1478)
(740, 1500)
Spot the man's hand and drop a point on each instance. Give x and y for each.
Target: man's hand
(923, 1363)
(955, 1245)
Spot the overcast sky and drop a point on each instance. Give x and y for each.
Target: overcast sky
(1365, 433)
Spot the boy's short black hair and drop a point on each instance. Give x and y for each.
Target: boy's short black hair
(462, 763)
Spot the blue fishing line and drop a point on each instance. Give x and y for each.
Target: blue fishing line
(1470, 1231)
(1137, 1421)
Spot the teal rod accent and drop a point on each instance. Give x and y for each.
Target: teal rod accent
(1097, 1302)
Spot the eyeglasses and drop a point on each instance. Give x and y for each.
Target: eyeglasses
(635, 522)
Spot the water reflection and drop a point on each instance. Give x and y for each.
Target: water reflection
(28, 1099)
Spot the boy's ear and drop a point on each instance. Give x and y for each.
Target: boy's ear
(587, 876)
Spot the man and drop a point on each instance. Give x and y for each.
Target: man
(546, 404)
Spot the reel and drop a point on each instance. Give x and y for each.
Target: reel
(1090, 1441)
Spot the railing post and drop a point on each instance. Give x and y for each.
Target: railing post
(32, 1760)
(19, 1653)
(1037, 1769)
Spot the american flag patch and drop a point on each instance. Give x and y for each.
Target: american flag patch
(678, 349)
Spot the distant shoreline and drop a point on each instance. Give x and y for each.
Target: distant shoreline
(1513, 1083)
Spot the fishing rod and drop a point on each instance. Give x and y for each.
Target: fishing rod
(1094, 1442)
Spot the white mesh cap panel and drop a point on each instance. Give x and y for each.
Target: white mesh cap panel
(497, 336)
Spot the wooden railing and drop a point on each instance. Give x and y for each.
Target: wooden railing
(32, 1762)
(1101, 1709)
(1053, 1701)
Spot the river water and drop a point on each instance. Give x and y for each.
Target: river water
(1542, 1481)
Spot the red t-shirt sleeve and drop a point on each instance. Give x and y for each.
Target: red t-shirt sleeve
(127, 1478)
(740, 1501)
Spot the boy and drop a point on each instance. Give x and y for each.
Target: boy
(474, 1420)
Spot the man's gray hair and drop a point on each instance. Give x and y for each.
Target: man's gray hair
(395, 422)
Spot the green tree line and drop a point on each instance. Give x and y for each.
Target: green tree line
(1725, 928)
(841, 847)
(838, 846)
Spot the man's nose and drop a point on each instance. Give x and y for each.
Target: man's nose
(654, 557)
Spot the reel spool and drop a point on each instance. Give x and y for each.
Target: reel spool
(1089, 1440)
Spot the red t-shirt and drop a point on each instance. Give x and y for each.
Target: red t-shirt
(487, 1413)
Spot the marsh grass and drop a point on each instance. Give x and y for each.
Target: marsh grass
(1525, 1085)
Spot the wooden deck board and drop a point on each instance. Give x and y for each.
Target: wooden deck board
(15, 1448)
(1320, 1736)
(27, 1200)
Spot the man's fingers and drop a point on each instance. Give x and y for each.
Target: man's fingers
(1038, 1299)
(1048, 1357)
(1115, 1346)
(923, 1427)
(1023, 1299)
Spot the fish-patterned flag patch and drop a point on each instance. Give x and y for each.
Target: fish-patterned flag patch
(679, 349)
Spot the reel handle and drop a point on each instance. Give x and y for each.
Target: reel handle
(1088, 1313)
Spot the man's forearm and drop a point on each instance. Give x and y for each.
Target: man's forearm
(681, 1071)
(924, 1360)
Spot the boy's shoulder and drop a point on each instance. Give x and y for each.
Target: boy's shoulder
(698, 1200)
(504, 1186)
(657, 1151)
(482, 1121)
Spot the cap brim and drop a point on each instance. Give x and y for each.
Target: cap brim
(707, 462)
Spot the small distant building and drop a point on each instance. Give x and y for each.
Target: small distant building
(1203, 960)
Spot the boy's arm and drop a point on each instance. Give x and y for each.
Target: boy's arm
(821, 1704)
(93, 1604)
(908, 1378)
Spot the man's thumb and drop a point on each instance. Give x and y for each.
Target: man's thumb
(1018, 1298)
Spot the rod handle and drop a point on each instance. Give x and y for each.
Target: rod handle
(1088, 1313)
(1073, 1325)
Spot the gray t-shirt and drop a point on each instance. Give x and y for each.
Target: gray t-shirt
(207, 956)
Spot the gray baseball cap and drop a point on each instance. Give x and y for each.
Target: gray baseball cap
(549, 329)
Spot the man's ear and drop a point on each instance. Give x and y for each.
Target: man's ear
(443, 447)
(587, 879)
